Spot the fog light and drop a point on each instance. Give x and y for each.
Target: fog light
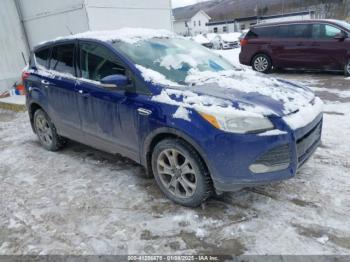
(261, 168)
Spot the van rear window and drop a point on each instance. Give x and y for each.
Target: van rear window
(262, 32)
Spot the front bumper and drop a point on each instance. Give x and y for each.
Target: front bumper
(230, 45)
(230, 165)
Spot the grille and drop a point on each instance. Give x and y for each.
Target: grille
(307, 144)
(277, 156)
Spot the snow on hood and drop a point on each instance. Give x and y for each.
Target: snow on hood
(128, 35)
(243, 90)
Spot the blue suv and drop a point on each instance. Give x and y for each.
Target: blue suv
(196, 122)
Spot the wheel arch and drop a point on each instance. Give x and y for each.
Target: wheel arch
(163, 133)
(261, 53)
(33, 107)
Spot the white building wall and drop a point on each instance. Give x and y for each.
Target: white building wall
(180, 28)
(46, 20)
(198, 24)
(12, 45)
(287, 18)
(114, 14)
(230, 28)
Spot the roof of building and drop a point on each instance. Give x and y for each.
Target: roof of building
(333, 21)
(249, 18)
(186, 14)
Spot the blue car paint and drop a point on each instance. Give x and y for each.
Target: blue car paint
(109, 121)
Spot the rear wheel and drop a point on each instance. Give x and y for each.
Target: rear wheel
(180, 173)
(262, 63)
(347, 69)
(46, 131)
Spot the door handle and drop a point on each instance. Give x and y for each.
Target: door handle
(84, 94)
(300, 44)
(144, 112)
(45, 82)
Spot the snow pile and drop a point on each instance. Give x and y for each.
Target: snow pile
(230, 37)
(211, 36)
(200, 39)
(128, 35)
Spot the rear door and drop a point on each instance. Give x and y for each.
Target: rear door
(327, 52)
(291, 47)
(37, 80)
(63, 104)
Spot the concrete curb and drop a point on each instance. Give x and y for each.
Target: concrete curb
(13, 107)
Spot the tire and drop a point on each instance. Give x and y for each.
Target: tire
(262, 63)
(185, 184)
(347, 69)
(46, 131)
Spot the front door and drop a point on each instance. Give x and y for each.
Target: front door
(108, 117)
(327, 52)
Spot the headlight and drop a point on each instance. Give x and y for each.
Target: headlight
(239, 124)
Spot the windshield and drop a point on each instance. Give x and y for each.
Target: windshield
(344, 24)
(175, 58)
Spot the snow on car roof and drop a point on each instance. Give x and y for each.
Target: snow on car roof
(129, 35)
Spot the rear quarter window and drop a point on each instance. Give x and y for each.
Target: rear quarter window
(42, 57)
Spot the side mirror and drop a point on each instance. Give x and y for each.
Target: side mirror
(341, 36)
(114, 82)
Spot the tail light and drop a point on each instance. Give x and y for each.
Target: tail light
(244, 42)
(23, 90)
(25, 75)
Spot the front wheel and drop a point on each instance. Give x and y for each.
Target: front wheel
(347, 69)
(262, 63)
(180, 173)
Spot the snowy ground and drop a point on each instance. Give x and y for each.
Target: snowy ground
(82, 201)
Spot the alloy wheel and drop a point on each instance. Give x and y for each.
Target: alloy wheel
(261, 64)
(43, 130)
(347, 68)
(176, 173)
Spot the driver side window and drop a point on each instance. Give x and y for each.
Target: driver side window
(97, 62)
(322, 31)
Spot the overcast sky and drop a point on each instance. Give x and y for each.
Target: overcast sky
(179, 3)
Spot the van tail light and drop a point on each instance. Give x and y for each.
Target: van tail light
(244, 42)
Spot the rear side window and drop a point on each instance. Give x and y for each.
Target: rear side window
(265, 31)
(97, 62)
(62, 59)
(42, 57)
(295, 31)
